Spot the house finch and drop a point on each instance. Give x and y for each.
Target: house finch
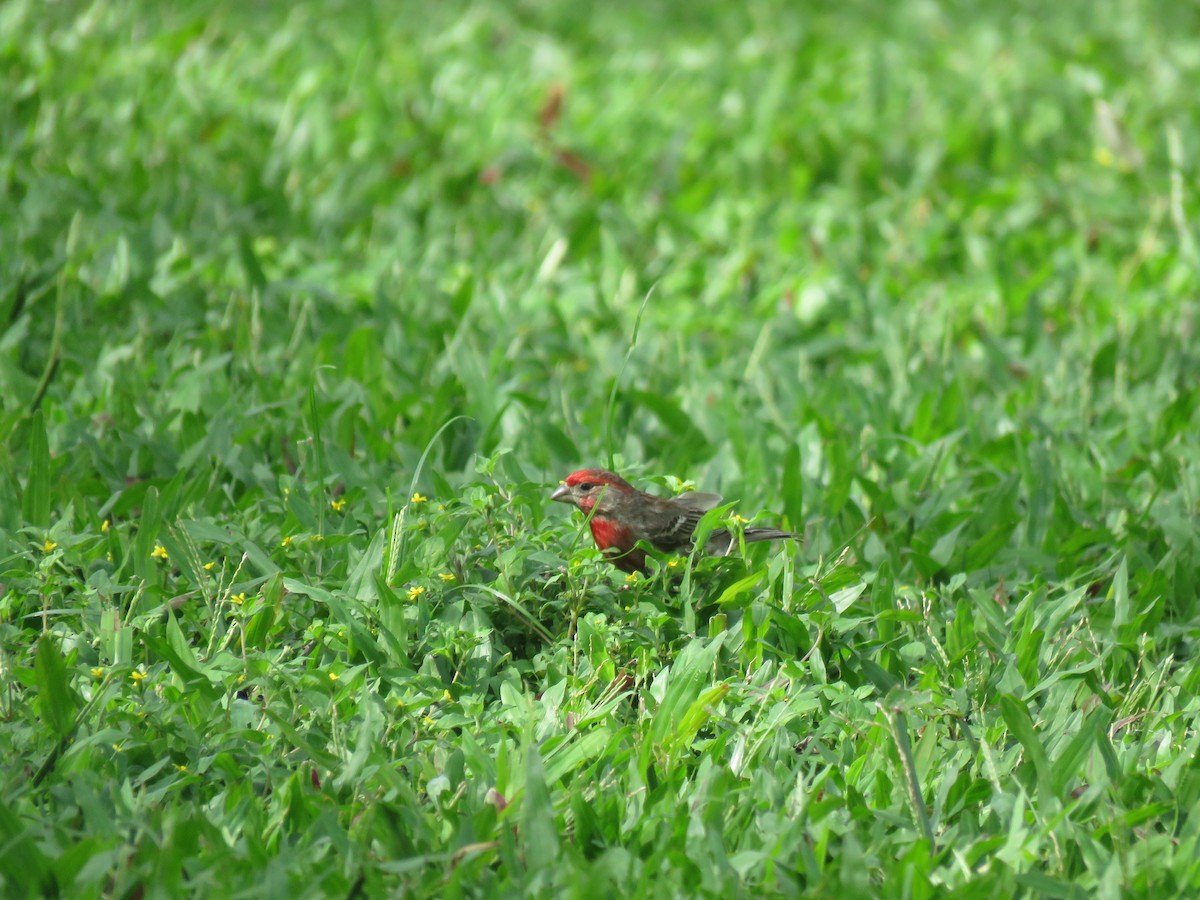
(621, 515)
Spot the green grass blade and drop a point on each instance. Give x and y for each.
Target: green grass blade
(35, 502)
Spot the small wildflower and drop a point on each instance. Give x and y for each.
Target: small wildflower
(286, 542)
(181, 769)
(238, 599)
(208, 566)
(104, 526)
(48, 545)
(415, 592)
(447, 696)
(418, 498)
(160, 552)
(287, 491)
(137, 677)
(631, 578)
(672, 564)
(97, 672)
(428, 720)
(446, 577)
(316, 537)
(741, 520)
(334, 676)
(242, 678)
(118, 748)
(337, 505)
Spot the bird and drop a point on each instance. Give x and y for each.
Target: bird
(620, 515)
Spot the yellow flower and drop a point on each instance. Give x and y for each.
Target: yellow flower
(118, 748)
(415, 592)
(242, 678)
(137, 677)
(428, 720)
(97, 672)
(672, 563)
(334, 676)
(419, 497)
(208, 566)
(631, 578)
(446, 577)
(104, 527)
(180, 769)
(741, 520)
(337, 505)
(239, 599)
(160, 552)
(316, 537)
(447, 696)
(286, 491)
(48, 546)
(286, 542)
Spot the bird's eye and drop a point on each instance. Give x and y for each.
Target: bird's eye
(586, 486)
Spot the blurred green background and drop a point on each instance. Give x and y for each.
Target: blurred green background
(918, 279)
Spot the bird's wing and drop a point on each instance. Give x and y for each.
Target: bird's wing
(696, 500)
(679, 517)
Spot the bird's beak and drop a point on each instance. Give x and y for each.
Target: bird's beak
(562, 494)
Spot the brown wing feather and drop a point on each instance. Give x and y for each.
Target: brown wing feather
(696, 500)
(678, 517)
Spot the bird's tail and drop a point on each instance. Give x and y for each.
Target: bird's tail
(767, 534)
(721, 542)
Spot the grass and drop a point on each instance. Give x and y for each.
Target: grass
(304, 311)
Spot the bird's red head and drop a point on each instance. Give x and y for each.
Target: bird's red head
(599, 476)
(588, 487)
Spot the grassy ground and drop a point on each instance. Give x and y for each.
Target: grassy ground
(303, 311)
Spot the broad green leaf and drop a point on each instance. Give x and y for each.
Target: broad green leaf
(538, 829)
(23, 865)
(183, 667)
(361, 583)
(740, 587)
(1016, 716)
(688, 675)
(35, 503)
(57, 702)
(147, 535)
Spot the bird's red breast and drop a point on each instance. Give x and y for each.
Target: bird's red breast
(617, 542)
(610, 534)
